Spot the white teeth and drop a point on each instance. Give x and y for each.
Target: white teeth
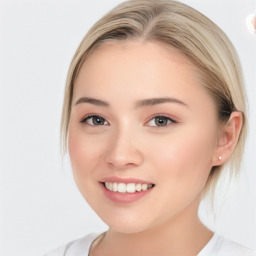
(144, 187)
(121, 187)
(130, 188)
(138, 187)
(114, 187)
(127, 188)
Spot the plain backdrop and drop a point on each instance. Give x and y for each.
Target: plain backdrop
(40, 207)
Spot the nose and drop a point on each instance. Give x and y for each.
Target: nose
(122, 151)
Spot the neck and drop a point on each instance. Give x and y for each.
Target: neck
(181, 235)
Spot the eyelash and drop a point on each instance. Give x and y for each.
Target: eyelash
(85, 119)
(168, 119)
(163, 117)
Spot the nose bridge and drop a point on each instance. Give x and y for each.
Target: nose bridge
(124, 147)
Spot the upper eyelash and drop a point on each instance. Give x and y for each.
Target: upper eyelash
(90, 116)
(85, 118)
(155, 116)
(164, 116)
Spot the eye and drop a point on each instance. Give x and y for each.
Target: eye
(160, 121)
(94, 120)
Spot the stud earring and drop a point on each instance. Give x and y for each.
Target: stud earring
(220, 157)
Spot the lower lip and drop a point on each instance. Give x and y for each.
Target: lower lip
(124, 197)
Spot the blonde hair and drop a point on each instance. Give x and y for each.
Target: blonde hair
(191, 33)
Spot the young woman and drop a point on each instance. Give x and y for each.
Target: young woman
(154, 109)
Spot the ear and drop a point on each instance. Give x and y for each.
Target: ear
(228, 138)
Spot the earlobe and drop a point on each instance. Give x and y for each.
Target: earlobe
(228, 138)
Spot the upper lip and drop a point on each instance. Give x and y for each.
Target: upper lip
(115, 179)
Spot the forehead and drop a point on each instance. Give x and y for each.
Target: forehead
(143, 69)
(125, 50)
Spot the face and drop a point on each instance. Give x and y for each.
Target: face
(140, 116)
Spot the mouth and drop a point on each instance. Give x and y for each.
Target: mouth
(127, 188)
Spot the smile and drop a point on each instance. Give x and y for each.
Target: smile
(127, 188)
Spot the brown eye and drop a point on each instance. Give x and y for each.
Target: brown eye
(160, 121)
(94, 120)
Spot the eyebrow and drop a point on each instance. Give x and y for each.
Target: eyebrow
(139, 103)
(156, 101)
(93, 101)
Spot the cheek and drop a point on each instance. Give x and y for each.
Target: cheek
(184, 158)
(83, 152)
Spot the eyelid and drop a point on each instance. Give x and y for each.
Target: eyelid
(85, 118)
(164, 116)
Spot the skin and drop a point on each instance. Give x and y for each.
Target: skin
(176, 157)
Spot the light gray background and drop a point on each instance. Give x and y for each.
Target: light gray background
(40, 205)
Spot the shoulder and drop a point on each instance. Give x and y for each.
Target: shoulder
(221, 246)
(232, 248)
(79, 247)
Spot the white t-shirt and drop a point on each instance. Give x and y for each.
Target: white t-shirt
(217, 246)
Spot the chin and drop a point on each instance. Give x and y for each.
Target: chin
(125, 228)
(126, 224)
